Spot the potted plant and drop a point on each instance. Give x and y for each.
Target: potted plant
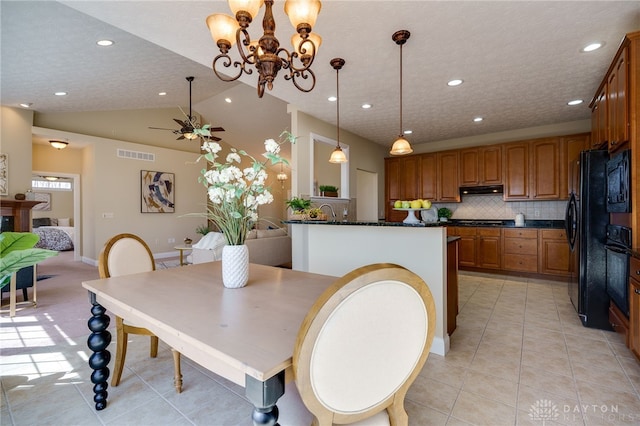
(328, 191)
(202, 230)
(298, 207)
(444, 214)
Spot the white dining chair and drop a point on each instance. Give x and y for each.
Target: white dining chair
(359, 349)
(127, 254)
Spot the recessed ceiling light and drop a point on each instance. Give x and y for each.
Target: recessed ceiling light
(453, 83)
(478, 119)
(227, 100)
(104, 43)
(162, 94)
(575, 102)
(25, 105)
(366, 106)
(60, 93)
(592, 46)
(332, 98)
(408, 132)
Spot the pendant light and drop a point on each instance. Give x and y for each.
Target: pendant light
(401, 146)
(337, 156)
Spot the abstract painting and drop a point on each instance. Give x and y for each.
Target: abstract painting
(45, 201)
(157, 192)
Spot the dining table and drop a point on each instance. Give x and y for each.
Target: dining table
(246, 335)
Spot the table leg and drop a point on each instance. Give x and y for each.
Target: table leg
(181, 257)
(263, 396)
(98, 342)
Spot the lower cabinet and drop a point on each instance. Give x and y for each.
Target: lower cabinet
(467, 246)
(520, 251)
(554, 252)
(634, 307)
(488, 244)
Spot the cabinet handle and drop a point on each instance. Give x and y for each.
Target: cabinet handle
(637, 271)
(636, 291)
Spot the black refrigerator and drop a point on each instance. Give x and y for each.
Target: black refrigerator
(586, 223)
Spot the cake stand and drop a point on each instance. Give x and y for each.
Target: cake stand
(411, 215)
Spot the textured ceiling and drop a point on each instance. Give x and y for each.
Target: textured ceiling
(520, 61)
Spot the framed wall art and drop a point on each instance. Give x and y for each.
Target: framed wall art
(45, 201)
(4, 174)
(157, 192)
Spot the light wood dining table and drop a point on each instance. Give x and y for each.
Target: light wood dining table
(245, 335)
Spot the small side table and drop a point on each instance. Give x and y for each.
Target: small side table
(181, 249)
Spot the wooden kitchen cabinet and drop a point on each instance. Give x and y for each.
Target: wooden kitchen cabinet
(548, 169)
(634, 307)
(554, 252)
(402, 182)
(428, 177)
(520, 250)
(599, 120)
(448, 187)
(481, 166)
(515, 161)
(467, 246)
(617, 101)
(488, 243)
(573, 145)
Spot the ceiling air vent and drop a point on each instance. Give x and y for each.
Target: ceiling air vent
(136, 155)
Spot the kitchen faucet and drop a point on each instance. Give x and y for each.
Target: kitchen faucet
(333, 213)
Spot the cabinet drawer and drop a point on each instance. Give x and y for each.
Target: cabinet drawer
(634, 268)
(520, 246)
(553, 234)
(466, 232)
(489, 232)
(520, 233)
(521, 262)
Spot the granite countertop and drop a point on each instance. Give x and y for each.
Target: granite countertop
(504, 223)
(379, 223)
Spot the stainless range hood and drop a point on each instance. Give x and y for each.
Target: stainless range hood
(488, 189)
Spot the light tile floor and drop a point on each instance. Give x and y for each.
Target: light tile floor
(519, 356)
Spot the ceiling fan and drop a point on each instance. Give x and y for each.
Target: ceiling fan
(190, 123)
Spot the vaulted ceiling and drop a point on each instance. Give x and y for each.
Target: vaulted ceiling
(520, 61)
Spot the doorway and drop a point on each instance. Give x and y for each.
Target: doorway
(367, 190)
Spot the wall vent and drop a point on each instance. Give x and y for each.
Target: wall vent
(136, 155)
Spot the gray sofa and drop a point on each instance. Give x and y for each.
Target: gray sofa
(266, 247)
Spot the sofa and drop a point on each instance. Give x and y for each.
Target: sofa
(266, 247)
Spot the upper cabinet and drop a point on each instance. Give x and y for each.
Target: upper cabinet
(599, 136)
(548, 169)
(448, 187)
(515, 161)
(617, 101)
(481, 166)
(402, 182)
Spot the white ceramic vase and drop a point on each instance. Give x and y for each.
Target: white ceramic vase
(235, 266)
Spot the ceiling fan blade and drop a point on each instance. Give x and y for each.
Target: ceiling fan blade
(160, 128)
(215, 138)
(181, 137)
(216, 129)
(180, 122)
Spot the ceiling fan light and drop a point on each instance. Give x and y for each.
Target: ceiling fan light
(59, 144)
(223, 29)
(401, 147)
(190, 136)
(302, 12)
(337, 156)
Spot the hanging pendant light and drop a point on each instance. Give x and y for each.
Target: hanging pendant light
(337, 156)
(401, 146)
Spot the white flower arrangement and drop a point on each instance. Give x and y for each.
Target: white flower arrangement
(234, 192)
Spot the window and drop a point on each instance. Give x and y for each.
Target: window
(59, 184)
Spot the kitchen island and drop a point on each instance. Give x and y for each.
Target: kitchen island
(336, 248)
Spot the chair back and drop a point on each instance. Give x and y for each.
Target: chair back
(363, 343)
(125, 254)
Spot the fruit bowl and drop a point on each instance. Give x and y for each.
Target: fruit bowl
(411, 215)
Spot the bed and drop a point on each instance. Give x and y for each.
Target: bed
(59, 238)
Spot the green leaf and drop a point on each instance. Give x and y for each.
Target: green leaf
(11, 241)
(18, 259)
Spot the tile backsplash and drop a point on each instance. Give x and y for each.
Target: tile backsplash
(494, 207)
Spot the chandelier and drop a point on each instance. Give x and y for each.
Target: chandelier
(266, 54)
(401, 146)
(337, 156)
